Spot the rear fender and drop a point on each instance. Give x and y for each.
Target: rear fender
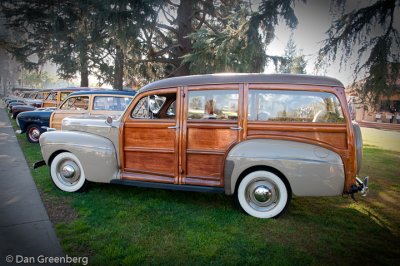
(311, 170)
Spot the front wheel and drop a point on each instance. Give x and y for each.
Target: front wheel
(33, 133)
(263, 194)
(67, 172)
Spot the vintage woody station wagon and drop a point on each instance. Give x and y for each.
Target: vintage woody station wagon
(259, 137)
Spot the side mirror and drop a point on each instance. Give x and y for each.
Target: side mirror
(109, 121)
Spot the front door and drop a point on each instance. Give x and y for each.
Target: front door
(212, 123)
(150, 138)
(76, 105)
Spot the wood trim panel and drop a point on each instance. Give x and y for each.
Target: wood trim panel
(140, 149)
(151, 162)
(207, 165)
(298, 127)
(217, 152)
(210, 138)
(211, 123)
(156, 123)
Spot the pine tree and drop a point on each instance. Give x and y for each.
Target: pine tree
(369, 32)
(292, 62)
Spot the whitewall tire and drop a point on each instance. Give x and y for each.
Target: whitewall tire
(263, 194)
(67, 172)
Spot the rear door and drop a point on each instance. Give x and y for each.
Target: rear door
(212, 124)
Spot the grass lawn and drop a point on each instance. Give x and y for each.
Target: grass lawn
(118, 225)
(388, 140)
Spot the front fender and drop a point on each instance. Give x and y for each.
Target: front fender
(96, 154)
(40, 118)
(311, 170)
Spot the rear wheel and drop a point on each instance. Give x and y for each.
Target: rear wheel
(67, 173)
(263, 194)
(33, 133)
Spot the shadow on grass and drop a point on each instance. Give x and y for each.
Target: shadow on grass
(137, 225)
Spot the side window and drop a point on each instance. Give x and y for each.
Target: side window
(111, 103)
(52, 96)
(39, 96)
(154, 107)
(294, 106)
(213, 104)
(76, 103)
(64, 95)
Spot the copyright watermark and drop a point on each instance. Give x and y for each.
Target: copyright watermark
(42, 259)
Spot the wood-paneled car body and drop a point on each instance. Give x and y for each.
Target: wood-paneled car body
(94, 102)
(57, 96)
(259, 137)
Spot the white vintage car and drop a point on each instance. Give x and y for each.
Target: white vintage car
(258, 137)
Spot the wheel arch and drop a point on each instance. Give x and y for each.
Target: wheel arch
(307, 169)
(54, 154)
(264, 168)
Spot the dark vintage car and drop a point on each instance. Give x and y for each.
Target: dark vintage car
(95, 102)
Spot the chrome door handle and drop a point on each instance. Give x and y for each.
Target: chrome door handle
(173, 127)
(236, 128)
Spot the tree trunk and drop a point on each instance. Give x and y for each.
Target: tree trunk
(119, 68)
(84, 69)
(184, 19)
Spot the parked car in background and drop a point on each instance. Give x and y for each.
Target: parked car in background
(18, 98)
(30, 105)
(57, 96)
(93, 102)
(258, 137)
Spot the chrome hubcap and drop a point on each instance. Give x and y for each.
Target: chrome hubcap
(68, 172)
(262, 194)
(34, 133)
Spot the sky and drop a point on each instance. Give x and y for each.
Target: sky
(314, 20)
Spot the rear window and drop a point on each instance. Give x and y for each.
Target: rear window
(110, 103)
(294, 106)
(213, 104)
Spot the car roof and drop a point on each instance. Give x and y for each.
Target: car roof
(105, 92)
(224, 78)
(75, 89)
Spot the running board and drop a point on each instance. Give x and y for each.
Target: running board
(168, 186)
